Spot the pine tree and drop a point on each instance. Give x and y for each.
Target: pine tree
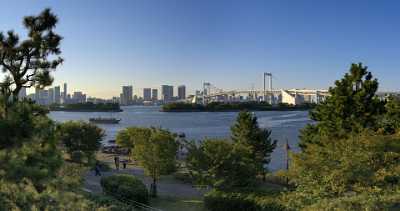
(351, 108)
(28, 63)
(247, 132)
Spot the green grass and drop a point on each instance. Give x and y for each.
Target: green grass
(177, 204)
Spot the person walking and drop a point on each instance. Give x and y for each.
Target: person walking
(116, 161)
(124, 163)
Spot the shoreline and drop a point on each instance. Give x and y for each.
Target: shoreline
(86, 110)
(233, 110)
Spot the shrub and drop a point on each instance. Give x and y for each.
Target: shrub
(107, 202)
(226, 201)
(125, 186)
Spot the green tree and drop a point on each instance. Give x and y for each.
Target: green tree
(156, 153)
(345, 171)
(28, 63)
(126, 138)
(247, 132)
(391, 119)
(31, 166)
(221, 164)
(80, 136)
(28, 148)
(351, 107)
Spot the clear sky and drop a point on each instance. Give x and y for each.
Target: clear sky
(146, 43)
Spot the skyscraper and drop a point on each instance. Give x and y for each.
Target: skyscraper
(50, 98)
(126, 96)
(154, 94)
(147, 94)
(65, 96)
(167, 93)
(78, 97)
(57, 95)
(182, 92)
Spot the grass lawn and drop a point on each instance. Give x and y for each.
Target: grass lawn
(177, 204)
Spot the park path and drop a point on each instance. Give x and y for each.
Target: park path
(166, 186)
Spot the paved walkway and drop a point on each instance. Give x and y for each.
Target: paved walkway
(166, 186)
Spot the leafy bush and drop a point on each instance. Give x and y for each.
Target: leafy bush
(365, 201)
(227, 201)
(80, 136)
(125, 187)
(109, 203)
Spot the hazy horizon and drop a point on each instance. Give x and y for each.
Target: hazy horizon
(147, 43)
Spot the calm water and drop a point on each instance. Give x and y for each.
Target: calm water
(198, 125)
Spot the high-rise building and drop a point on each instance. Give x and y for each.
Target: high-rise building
(167, 93)
(79, 97)
(154, 94)
(182, 92)
(57, 95)
(50, 99)
(147, 94)
(126, 96)
(65, 96)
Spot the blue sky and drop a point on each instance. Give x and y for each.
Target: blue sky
(146, 43)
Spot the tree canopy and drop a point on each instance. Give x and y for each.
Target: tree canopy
(156, 150)
(221, 164)
(351, 108)
(28, 63)
(247, 132)
(80, 136)
(351, 153)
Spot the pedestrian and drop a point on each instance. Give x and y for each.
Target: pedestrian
(116, 161)
(97, 169)
(124, 163)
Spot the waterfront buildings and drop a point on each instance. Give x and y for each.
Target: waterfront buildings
(167, 93)
(50, 99)
(126, 95)
(181, 92)
(147, 94)
(65, 94)
(78, 97)
(57, 95)
(154, 94)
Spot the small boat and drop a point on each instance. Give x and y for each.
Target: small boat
(101, 120)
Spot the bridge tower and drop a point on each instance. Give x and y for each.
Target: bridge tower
(269, 75)
(206, 91)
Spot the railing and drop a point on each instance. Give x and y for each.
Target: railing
(132, 202)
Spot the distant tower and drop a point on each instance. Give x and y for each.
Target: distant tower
(147, 94)
(182, 92)
(270, 87)
(154, 94)
(65, 97)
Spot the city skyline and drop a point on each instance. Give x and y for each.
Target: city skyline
(305, 44)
